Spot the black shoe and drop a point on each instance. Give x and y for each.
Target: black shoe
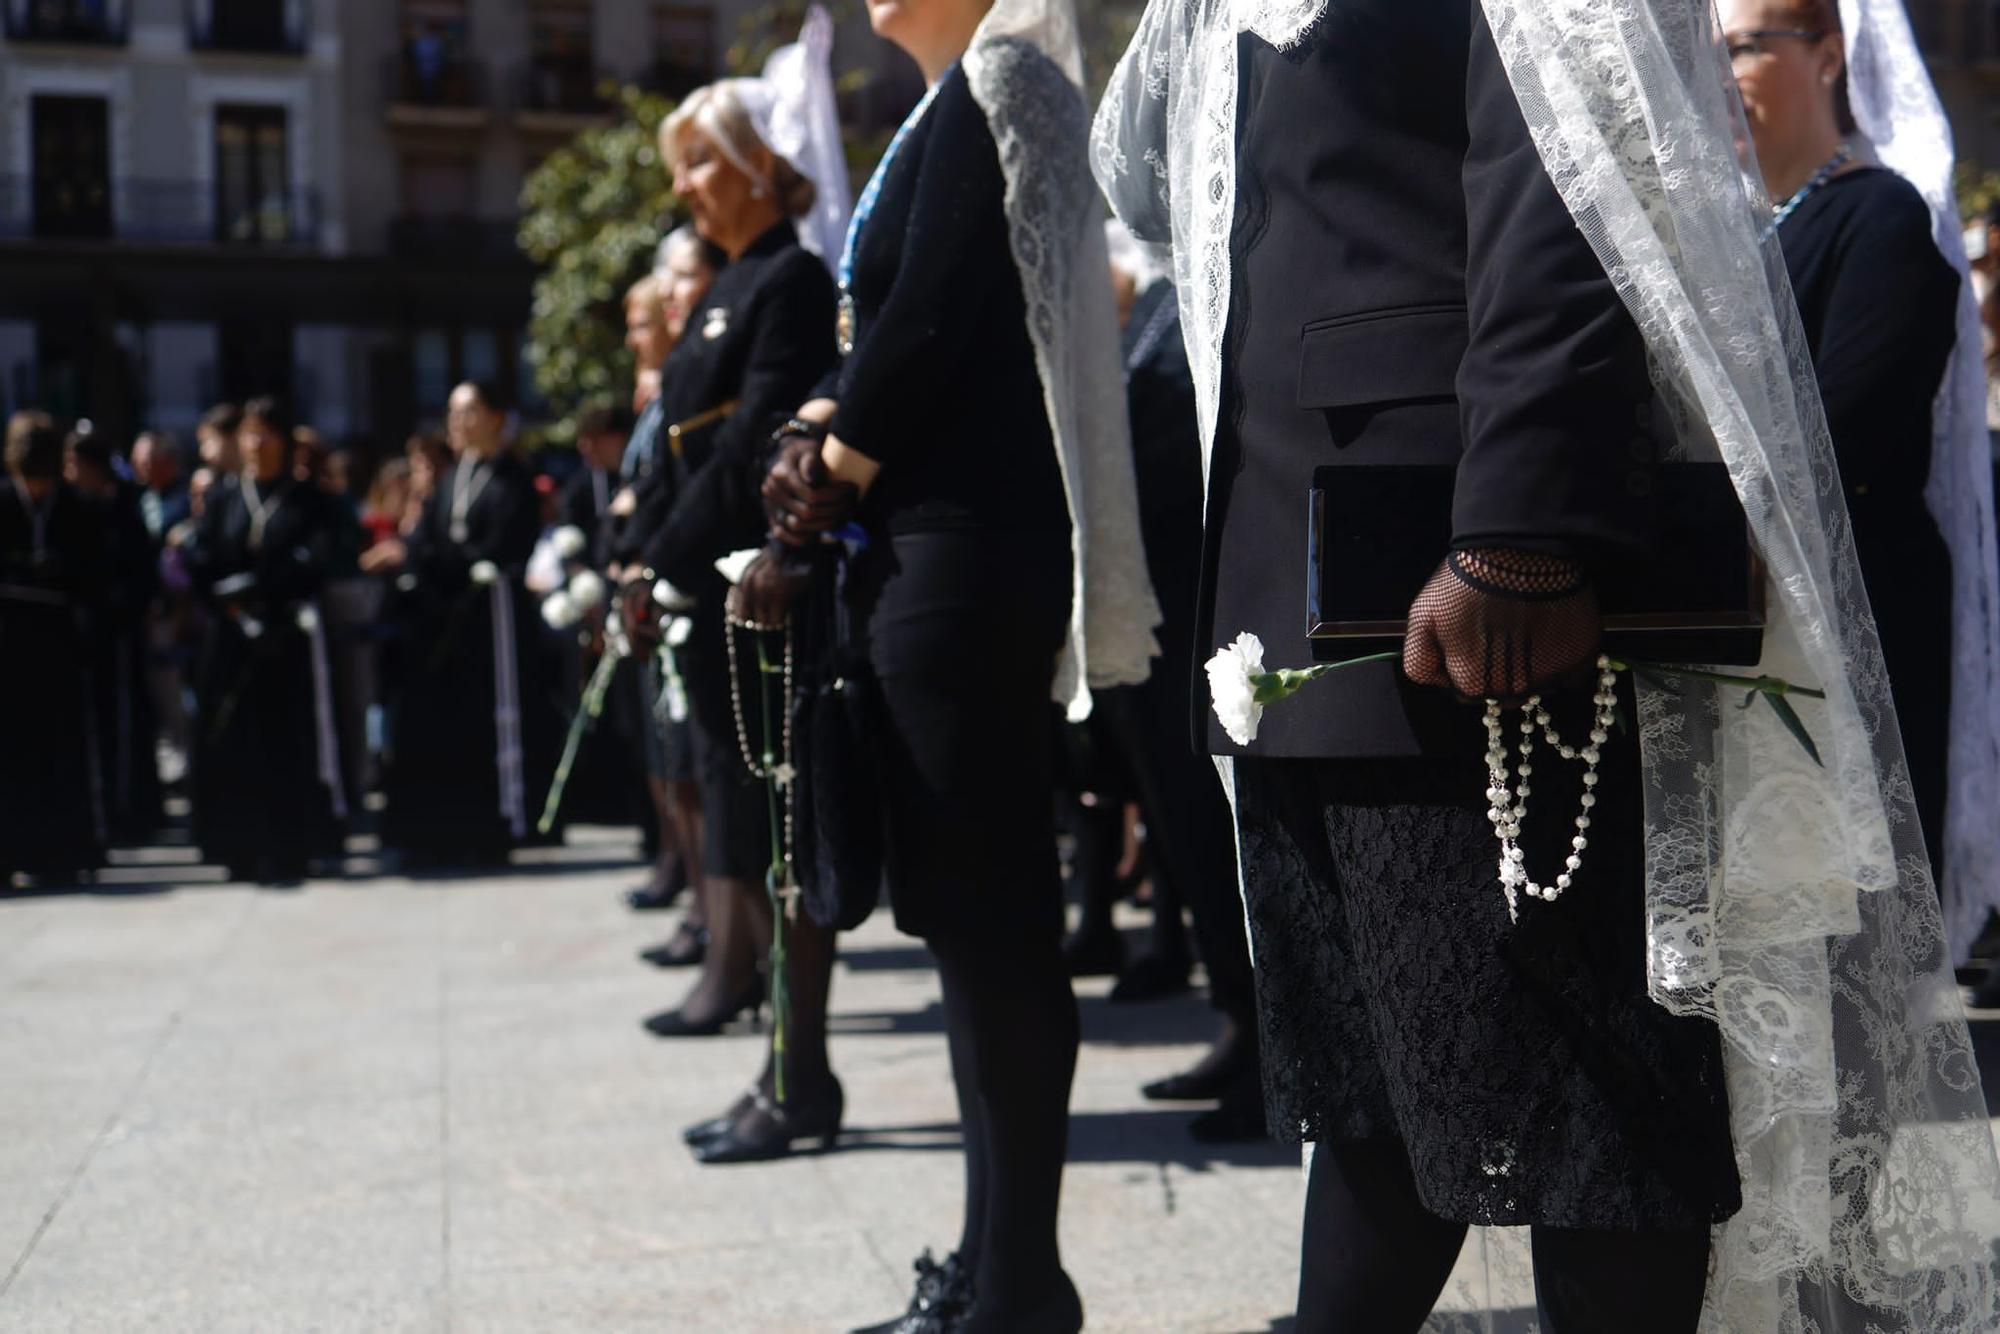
(943, 1296)
(1152, 978)
(1094, 954)
(715, 1126)
(662, 891)
(677, 1023)
(686, 948)
(768, 1129)
(1195, 1085)
(1061, 1312)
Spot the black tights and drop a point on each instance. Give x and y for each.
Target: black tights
(1374, 1260)
(1011, 1021)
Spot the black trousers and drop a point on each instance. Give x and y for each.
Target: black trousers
(1374, 1260)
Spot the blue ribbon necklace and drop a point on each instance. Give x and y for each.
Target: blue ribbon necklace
(1841, 157)
(844, 329)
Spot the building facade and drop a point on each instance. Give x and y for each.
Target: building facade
(210, 199)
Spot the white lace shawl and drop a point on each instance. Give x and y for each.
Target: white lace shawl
(1023, 68)
(1789, 903)
(1904, 128)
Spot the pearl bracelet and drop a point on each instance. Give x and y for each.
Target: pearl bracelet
(1507, 807)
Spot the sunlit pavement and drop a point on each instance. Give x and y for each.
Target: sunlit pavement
(386, 1104)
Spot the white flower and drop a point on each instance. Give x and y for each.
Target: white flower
(735, 563)
(569, 541)
(671, 598)
(559, 611)
(678, 630)
(1231, 690)
(485, 573)
(587, 590)
(307, 619)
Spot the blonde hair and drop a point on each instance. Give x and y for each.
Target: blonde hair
(649, 292)
(718, 114)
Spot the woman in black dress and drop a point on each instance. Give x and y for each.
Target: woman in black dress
(962, 453)
(53, 580)
(752, 351)
(264, 789)
(474, 721)
(1879, 304)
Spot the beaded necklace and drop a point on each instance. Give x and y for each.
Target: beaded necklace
(1841, 157)
(845, 329)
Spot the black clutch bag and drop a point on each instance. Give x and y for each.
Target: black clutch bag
(837, 838)
(1379, 531)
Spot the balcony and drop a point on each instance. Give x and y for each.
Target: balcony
(68, 22)
(250, 27)
(427, 89)
(460, 240)
(559, 97)
(151, 212)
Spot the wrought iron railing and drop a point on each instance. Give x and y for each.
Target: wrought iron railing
(155, 212)
(256, 27)
(74, 22)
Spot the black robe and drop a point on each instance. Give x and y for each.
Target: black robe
(444, 780)
(261, 808)
(126, 730)
(51, 595)
(1879, 305)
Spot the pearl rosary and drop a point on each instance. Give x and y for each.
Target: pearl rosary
(1508, 808)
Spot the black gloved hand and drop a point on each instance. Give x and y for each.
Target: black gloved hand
(1502, 624)
(801, 499)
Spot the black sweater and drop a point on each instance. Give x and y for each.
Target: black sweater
(941, 388)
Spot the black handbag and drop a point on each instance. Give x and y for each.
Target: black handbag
(1378, 532)
(837, 836)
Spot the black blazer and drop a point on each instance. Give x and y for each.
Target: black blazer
(763, 339)
(502, 523)
(1408, 288)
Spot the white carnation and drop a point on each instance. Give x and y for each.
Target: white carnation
(559, 611)
(588, 590)
(569, 541)
(735, 563)
(1231, 690)
(485, 573)
(307, 619)
(678, 630)
(670, 598)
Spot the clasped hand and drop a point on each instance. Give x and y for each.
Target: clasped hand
(1502, 624)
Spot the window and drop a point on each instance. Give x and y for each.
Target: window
(252, 200)
(72, 166)
(439, 187)
(65, 21)
(436, 71)
(249, 25)
(562, 74)
(683, 48)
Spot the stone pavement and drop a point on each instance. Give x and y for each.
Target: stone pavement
(392, 1105)
(384, 1105)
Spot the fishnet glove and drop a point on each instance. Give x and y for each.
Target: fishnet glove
(1501, 624)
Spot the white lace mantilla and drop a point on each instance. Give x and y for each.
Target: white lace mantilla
(1789, 903)
(1023, 68)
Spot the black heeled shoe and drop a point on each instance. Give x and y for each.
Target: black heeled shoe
(943, 1296)
(702, 1131)
(662, 891)
(677, 1023)
(1061, 1312)
(769, 1129)
(686, 948)
(1153, 977)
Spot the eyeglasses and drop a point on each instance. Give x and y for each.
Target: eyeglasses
(1757, 41)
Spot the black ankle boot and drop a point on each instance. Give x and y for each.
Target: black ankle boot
(1061, 1312)
(943, 1296)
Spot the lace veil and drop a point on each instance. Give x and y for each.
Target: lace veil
(1790, 903)
(1903, 126)
(792, 105)
(1025, 68)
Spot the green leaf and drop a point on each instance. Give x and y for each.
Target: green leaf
(1794, 724)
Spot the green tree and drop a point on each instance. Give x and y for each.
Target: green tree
(592, 215)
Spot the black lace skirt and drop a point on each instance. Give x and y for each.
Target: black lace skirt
(1521, 1067)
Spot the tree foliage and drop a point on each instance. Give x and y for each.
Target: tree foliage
(592, 215)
